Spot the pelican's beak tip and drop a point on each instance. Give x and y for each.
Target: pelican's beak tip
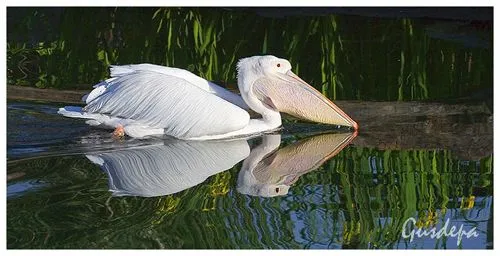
(355, 126)
(355, 132)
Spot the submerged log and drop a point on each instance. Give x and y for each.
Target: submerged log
(49, 95)
(466, 129)
(468, 136)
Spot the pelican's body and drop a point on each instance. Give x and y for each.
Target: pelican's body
(146, 99)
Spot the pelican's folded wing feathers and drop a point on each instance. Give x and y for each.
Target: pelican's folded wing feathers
(157, 99)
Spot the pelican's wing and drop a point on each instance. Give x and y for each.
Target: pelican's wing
(172, 99)
(117, 71)
(165, 169)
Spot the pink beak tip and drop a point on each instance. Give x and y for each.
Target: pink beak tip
(355, 125)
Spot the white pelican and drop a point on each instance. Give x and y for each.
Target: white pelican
(145, 99)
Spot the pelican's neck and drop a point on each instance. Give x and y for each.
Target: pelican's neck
(271, 119)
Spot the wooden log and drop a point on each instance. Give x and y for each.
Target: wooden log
(50, 95)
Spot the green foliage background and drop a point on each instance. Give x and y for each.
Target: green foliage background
(346, 57)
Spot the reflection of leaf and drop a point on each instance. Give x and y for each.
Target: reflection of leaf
(101, 55)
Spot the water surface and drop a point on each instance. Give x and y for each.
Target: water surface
(306, 186)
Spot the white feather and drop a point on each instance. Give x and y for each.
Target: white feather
(119, 71)
(158, 99)
(95, 119)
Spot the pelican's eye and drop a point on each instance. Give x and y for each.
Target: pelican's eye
(278, 65)
(277, 189)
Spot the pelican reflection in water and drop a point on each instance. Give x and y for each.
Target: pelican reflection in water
(176, 165)
(270, 171)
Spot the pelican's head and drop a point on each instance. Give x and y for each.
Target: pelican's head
(268, 85)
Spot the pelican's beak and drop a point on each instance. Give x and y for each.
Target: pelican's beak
(290, 94)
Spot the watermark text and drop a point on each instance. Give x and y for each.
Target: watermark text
(410, 230)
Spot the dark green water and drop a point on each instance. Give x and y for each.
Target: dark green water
(146, 193)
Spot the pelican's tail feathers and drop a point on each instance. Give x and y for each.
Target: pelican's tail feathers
(72, 111)
(76, 112)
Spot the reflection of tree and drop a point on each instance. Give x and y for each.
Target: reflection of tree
(358, 199)
(382, 189)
